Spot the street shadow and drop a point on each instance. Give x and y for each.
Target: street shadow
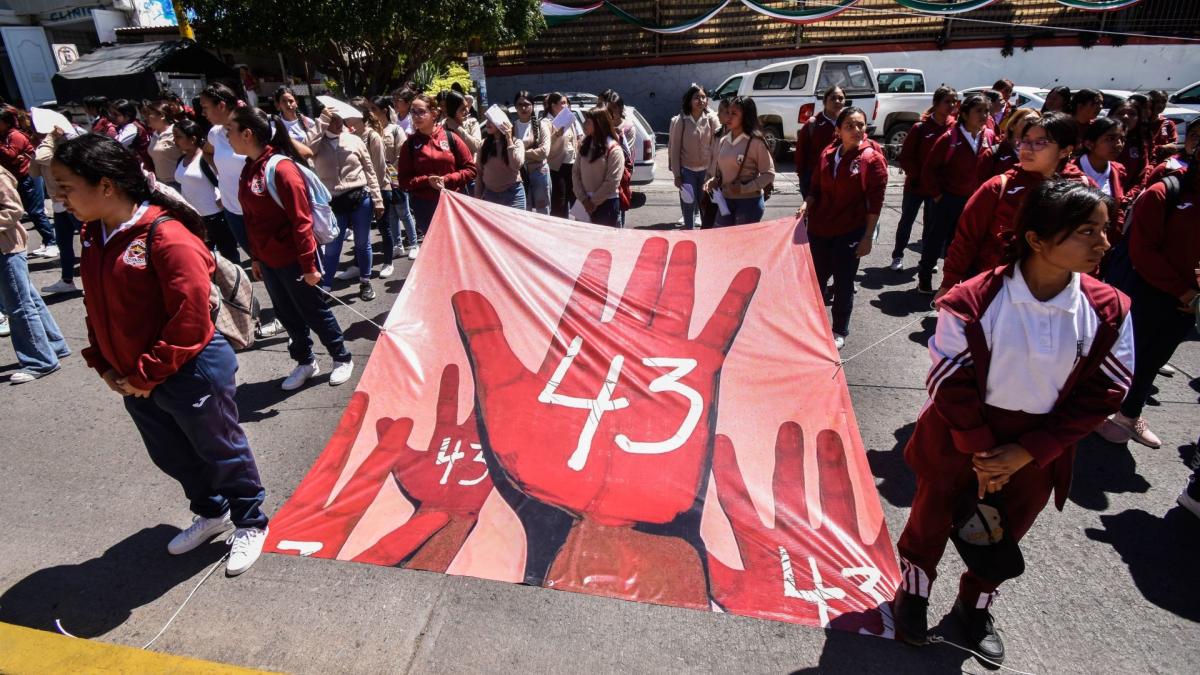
(59, 298)
(902, 303)
(922, 336)
(1190, 455)
(897, 483)
(1159, 553)
(854, 654)
(661, 226)
(1101, 469)
(256, 401)
(394, 286)
(98, 595)
(363, 330)
(877, 278)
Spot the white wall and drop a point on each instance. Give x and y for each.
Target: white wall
(656, 90)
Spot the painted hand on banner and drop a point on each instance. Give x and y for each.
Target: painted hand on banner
(824, 575)
(615, 423)
(447, 483)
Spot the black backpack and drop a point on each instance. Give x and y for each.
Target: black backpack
(1120, 272)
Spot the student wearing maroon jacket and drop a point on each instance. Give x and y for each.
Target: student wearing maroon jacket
(985, 227)
(843, 208)
(1004, 155)
(1027, 360)
(1102, 145)
(913, 154)
(1086, 105)
(431, 161)
(146, 280)
(950, 176)
(816, 135)
(1178, 163)
(282, 247)
(16, 153)
(1164, 245)
(96, 108)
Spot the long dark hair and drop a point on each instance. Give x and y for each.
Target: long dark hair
(1099, 127)
(970, 101)
(219, 93)
(93, 157)
(127, 108)
(454, 102)
(686, 106)
(1052, 211)
(602, 128)
(190, 128)
(750, 124)
(267, 129)
(1083, 96)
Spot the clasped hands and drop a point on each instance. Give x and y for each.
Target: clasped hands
(995, 467)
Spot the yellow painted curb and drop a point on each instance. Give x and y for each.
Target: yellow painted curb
(25, 651)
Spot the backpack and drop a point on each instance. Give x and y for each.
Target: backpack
(232, 306)
(1120, 272)
(625, 191)
(325, 227)
(204, 169)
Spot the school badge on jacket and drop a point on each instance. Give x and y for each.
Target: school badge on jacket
(135, 253)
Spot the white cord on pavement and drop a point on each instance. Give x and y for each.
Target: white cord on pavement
(186, 600)
(883, 339)
(339, 301)
(939, 640)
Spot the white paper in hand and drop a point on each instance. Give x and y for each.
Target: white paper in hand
(719, 200)
(687, 193)
(579, 213)
(340, 108)
(45, 120)
(564, 119)
(497, 116)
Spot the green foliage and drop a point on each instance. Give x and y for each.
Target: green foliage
(452, 74)
(367, 45)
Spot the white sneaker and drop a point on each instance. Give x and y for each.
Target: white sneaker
(350, 235)
(246, 546)
(199, 532)
(897, 264)
(266, 330)
(59, 286)
(37, 252)
(387, 271)
(398, 251)
(300, 375)
(839, 341)
(341, 372)
(48, 252)
(412, 252)
(349, 273)
(5, 330)
(1167, 371)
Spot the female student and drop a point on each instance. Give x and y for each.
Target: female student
(1027, 360)
(461, 123)
(816, 135)
(913, 154)
(431, 161)
(689, 149)
(741, 166)
(598, 169)
(345, 165)
(15, 153)
(36, 338)
(843, 207)
(65, 224)
(950, 176)
(1058, 99)
(1164, 245)
(131, 133)
(1138, 150)
(379, 112)
(96, 109)
(282, 246)
(163, 152)
(499, 161)
(1102, 145)
(626, 135)
(535, 135)
(1004, 155)
(982, 233)
(1086, 105)
(146, 278)
(1166, 134)
(564, 144)
(300, 128)
(198, 185)
(218, 102)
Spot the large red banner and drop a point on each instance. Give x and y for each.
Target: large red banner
(653, 416)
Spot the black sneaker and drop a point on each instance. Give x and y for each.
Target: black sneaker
(981, 634)
(911, 613)
(365, 292)
(925, 284)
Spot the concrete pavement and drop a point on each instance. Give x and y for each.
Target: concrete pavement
(1112, 582)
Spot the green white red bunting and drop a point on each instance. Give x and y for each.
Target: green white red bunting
(556, 14)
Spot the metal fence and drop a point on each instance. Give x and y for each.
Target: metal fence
(601, 36)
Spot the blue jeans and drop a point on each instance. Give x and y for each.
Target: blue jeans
(385, 226)
(360, 220)
(301, 308)
(696, 180)
(36, 339)
(909, 206)
(742, 211)
(33, 199)
(837, 257)
(190, 427)
(514, 197)
(65, 228)
(537, 188)
(608, 213)
(423, 210)
(237, 225)
(403, 216)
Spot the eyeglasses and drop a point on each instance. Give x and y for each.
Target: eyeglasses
(419, 112)
(1037, 146)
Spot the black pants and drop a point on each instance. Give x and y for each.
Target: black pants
(940, 231)
(385, 228)
(608, 213)
(220, 237)
(909, 207)
(301, 308)
(562, 195)
(190, 427)
(1158, 329)
(837, 257)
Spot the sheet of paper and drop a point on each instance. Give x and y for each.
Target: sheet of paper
(340, 108)
(564, 119)
(497, 116)
(579, 213)
(45, 120)
(687, 193)
(719, 199)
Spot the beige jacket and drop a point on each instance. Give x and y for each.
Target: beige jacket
(165, 155)
(495, 174)
(12, 233)
(690, 143)
(757, 171)
(564, 146)
(536, 153)
(393, 139)
(599, 179)
(469, 131)
(343, 163)
(378, 152)
(40, 166)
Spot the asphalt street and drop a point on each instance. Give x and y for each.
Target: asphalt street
(1113, 583)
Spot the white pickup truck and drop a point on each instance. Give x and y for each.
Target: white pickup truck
(788, 93)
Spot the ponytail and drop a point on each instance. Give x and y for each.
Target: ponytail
(267, 130)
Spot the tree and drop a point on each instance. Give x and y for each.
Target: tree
(368, 46)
